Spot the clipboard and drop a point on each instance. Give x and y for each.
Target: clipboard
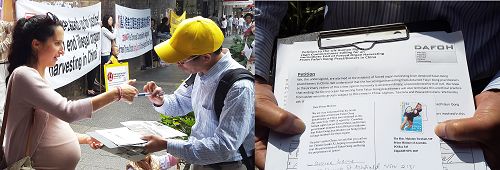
(369, 37)
(399, 29)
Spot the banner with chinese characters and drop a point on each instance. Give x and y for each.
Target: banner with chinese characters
(133, 30)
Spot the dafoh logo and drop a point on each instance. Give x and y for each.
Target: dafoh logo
(434, 47)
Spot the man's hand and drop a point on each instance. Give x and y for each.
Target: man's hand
(269, 116)
(483, 127)
(156, 93)
(155, 143)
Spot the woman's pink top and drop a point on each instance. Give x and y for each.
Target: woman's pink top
(53, 144)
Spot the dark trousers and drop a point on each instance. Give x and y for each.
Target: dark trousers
(237, 165)
(148, 59)
(104, 60)
(91, 77)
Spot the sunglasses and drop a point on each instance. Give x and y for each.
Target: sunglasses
(52, 17)
(189, 60)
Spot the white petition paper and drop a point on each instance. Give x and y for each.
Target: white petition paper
(152, 128)
(376, 108)
(121, 136)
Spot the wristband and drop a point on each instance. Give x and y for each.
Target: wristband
(119, 93)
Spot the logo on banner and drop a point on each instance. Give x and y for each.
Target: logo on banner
(110, 76)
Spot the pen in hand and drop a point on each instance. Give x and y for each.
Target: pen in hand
(149, 94)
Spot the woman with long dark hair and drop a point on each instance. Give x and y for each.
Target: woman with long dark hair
(108, 37)
(38, 118)
(107, 40)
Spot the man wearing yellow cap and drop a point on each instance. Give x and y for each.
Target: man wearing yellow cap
(216, 142)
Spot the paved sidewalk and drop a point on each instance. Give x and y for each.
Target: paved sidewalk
(110, 117)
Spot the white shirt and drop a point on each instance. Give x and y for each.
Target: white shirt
(236, 20)
(241, 21)
(106, 38)
(230, 22)
(224, 24)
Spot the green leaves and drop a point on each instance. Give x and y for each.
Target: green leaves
(182, 123)
(236, 49)
(302, 17)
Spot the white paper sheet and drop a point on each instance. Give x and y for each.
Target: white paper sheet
(121, 136)
(354, 103)
(152, 128)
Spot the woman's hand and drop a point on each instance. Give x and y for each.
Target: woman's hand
(128, 92)
(92, 142)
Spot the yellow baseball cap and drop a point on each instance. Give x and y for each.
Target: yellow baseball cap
(193, 36)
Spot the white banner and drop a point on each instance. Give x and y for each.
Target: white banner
(133, 31)
(239, 3)
(82, 39)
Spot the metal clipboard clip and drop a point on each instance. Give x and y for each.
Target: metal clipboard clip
(363, 38)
